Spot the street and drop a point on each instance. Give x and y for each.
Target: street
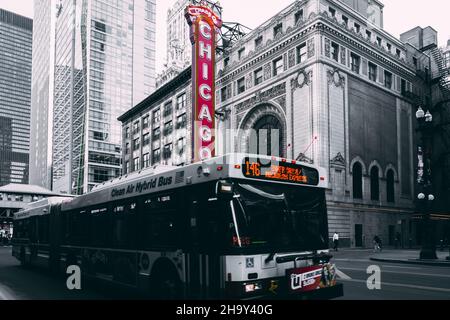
(399, 281)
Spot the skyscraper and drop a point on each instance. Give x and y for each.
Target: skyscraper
(104, 63)
(179, 48)
(15, 94)
(42, 93)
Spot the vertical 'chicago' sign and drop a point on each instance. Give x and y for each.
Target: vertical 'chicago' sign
(203, 22)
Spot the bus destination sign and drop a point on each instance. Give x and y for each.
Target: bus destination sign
(271, 170)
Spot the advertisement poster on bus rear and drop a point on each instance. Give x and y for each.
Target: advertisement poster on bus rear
(312, 278)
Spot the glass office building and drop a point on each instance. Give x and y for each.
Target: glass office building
(104, 64)
(15, 96)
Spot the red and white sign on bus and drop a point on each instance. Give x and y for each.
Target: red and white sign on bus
(203, 22)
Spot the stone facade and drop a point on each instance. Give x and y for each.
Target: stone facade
(337, 85)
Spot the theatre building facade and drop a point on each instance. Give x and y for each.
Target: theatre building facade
(338, 89)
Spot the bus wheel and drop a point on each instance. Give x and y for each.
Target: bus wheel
(165, 285)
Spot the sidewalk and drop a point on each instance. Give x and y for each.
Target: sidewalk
(410, 257)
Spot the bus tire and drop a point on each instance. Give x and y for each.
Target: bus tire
(165, 283)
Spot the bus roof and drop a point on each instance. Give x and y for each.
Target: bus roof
(164, 178)
(40, 207)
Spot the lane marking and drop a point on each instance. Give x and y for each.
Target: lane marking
(410, 286)
(398, 272)
(401, 267)
(342, 275)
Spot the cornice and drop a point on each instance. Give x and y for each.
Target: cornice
(315, 22)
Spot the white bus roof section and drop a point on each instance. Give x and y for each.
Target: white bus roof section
(160, 179)
(40, 207)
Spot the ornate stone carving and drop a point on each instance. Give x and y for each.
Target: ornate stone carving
(267, 71)
(261, 97)
(303, 158)
(334, 77)
(327, 47)
(338, 160)
(291, 58)
(311, 50)
(249, 81)
(282, 102)
(301, 80)
(343, 56)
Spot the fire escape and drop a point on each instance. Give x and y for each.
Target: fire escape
(441, 111)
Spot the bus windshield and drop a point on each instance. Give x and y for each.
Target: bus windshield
(279, 217)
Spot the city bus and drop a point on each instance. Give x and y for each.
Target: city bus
(234, 227)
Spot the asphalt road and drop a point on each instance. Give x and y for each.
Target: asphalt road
(398, 281)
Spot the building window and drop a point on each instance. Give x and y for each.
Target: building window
(146, 139)
(146, 162)
(156, 156)
(226, 62)
(379, 41)
(127, 148)
(277, 66)
(388, 79)
(389, 47)
(156, 134)
(278, 29)
(241, 85)
(301, 53)
(167, 153)
(345, 20)
(298, 16)
(332, 12)
(357, 181)
(157, 116)
(135, 164)
(241, 53)
(136, 127)
(415, 61)
(181, 121)
(369, 34)
(374, 184)
(145, 122)
(403, 86)
(398, 52)
(127, 167)
(168, 128)
(223, 94)
(357, 28)
(168, 109)
(181, 102)
(136, 144)
(258, 41)
(390, 188)
(181, 145)
(127, 132)
(373, 71)
(335, 51)
(258, 76)
(355, 62)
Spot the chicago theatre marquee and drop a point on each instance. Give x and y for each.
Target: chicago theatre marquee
(333, 83)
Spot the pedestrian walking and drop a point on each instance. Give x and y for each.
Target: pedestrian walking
(336, 241)
(377, 244)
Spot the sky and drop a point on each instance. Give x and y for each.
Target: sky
(399, 16)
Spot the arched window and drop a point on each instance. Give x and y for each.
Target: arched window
(268, 129)
(390, 189)
(374, 184)
(357, 181)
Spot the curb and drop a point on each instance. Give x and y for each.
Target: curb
(425, 263)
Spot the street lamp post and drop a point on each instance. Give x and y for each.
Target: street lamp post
(425, 197)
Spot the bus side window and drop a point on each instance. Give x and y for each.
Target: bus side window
(159, 221)
(124, 225)
(101, 227)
